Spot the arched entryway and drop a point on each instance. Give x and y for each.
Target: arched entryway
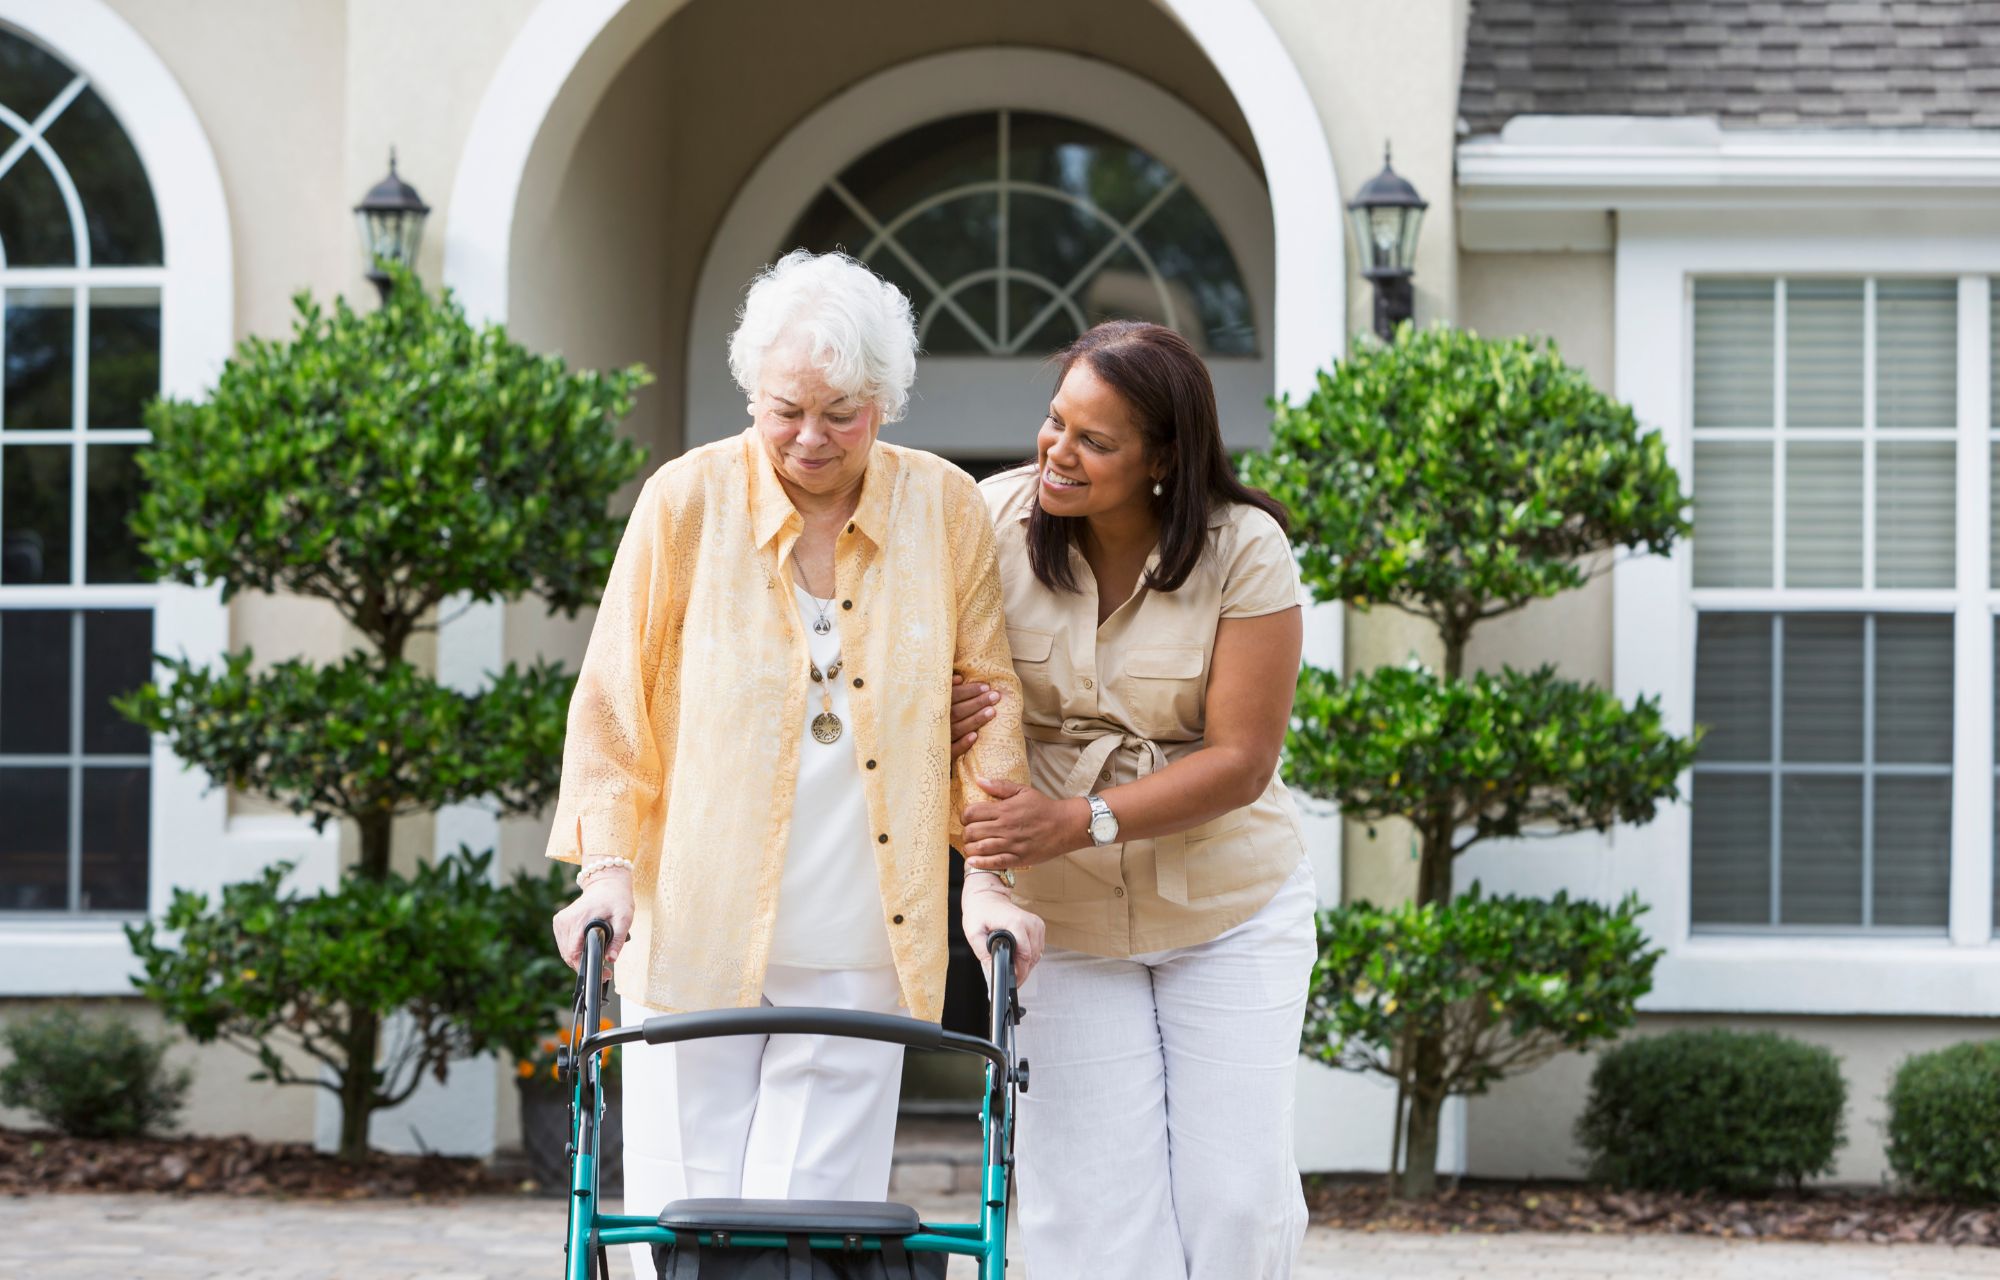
(611, 200)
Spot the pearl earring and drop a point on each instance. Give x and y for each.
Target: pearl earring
(1157, 490)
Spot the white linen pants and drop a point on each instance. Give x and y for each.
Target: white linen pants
(1156, 1141)
(764, 1117)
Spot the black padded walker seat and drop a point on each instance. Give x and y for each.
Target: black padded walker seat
(793, 1217)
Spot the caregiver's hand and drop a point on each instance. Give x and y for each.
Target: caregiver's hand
(1020, 826)
(972, 705)
(986, 908)
(607, 897)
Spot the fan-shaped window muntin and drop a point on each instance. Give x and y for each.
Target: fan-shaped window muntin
(1014, 231)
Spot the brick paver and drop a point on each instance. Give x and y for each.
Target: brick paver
(160, 1238)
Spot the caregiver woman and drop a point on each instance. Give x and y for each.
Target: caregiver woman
(757, 776)
(1153, 611)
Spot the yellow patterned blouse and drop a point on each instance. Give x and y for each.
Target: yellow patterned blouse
(683, 744)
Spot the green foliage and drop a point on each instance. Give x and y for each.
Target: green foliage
(1493, 755)
(363, 736)
(1501, 984)
(1944, 1121)
(90, 1077)
(1460, 477)
(1723, 1110)
(267, 967)
(383, 460)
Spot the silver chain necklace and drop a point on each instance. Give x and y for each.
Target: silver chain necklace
(822, 625)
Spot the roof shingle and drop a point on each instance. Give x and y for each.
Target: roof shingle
(1749, 63)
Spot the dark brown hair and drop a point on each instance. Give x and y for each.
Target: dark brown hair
(1167, 390)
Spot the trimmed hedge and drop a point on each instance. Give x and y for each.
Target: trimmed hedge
(1944, 1121)
(90, 1077)
(1719, 1110)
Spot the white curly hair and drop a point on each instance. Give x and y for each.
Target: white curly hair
(859, 328)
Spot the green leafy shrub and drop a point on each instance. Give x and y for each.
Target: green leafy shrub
(90, 1077)
(1497, 985)
(267, 967)
(1720, 1110)
(1458, 479)
(389, 463)
(1944, 1121)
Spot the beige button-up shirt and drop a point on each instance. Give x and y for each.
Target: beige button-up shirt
(1109, 704)
(683, 743)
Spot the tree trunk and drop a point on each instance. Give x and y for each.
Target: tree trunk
(374, 864)
(357, 1089)
(1419, 1181)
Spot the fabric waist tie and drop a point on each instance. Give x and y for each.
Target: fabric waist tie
(1098, 742)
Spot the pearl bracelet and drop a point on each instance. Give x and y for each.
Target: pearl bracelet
(600, 865)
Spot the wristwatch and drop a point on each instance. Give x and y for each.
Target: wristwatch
(1103, 822)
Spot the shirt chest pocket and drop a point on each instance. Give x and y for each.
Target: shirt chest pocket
(1161, 687)
(1032, 665)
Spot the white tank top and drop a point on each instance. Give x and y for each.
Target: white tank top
(830, 901)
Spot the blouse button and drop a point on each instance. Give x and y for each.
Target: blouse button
(897, 919)
(1087, 684)
(883, 838)
(871, 764)
(857, 682)
(1118, 893)
(850, 528)
(847, 604)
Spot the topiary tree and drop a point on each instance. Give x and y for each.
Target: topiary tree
(1458, 479)
(383, 462)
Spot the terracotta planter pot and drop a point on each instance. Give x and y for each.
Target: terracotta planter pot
(545, 1139)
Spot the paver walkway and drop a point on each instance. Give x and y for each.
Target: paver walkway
(159, 1238)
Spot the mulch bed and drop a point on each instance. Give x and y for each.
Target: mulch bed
(1481, 1205)
(39, 1162)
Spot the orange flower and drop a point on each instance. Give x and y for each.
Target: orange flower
(563, 1035)
(605, 1024)
(555, 1072)
(525, 1070)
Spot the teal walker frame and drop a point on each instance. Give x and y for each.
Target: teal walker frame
(592, 1232)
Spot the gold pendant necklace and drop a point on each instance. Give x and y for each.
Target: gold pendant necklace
(825, 725)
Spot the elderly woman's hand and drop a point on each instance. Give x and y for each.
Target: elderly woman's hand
(1020, 827)
(607, 897)
(972, 705)
(986, 907)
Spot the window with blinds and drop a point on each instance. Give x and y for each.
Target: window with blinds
(1825, 423)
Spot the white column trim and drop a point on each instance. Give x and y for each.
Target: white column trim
(1973, 781)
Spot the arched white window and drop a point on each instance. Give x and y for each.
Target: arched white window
(81, 277)
(1014, 219)
(1014, 231)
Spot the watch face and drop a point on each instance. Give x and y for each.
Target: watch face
(1104, 829)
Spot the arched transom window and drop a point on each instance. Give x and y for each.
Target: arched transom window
(1014, 231)
(81, 275)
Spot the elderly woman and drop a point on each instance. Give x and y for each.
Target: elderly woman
(1153, 611)
(757, 779)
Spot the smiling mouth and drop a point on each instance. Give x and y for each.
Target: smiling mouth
(1056, 481)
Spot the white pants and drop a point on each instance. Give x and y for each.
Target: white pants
(1156, 1141)
(764, 1117)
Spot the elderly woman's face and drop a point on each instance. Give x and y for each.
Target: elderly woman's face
(817, 437)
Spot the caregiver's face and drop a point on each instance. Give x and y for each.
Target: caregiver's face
(1092, 455)
(817, 437)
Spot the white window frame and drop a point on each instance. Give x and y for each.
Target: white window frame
(1659, 253)
(193, 841)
